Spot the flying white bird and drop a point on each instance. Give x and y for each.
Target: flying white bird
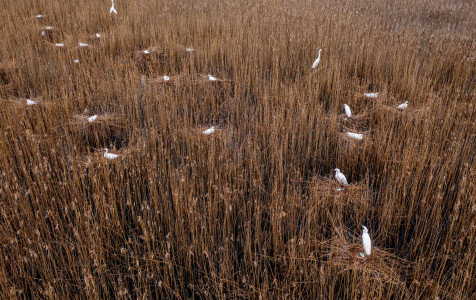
(59, 45)
(31, 102)
(347, 110)
(112, 10)
(366, 241)
(403, 105)
(83, 44)
(110, 155)
(166, 78)
(209, 130)
(76, 61)
(318, 59)
(371, 95)
(357, 136)
(340, 177)
(92, 118)
(211, 78)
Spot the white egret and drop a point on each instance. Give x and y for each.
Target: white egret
(347, 110)
(211, 78)
(43, 33)
(318, 59)
(39, 16)
(83, 44)
(31, 102)
(76, 61)
(209, 130)
(146, 51)
(371, 95)
(59, 45)
(403, 105)
(166, 78)
(98, 36)
(112, 10)
(357, 136)
(92, 118)
(110, 155)
(366, 241)
(340, 177)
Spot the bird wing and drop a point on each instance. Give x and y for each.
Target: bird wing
(347, 111)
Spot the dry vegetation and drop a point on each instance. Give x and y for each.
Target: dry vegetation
(251, 211)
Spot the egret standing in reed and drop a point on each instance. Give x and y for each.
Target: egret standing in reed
(347, 111)
(403, 105)
(110, 155)
(318, 59)
(340, 177)
(112, 10)
(366, 241)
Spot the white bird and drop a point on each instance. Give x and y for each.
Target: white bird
(31, 102)
(112, 10)
(146, 51)
(98, 36)
(42, 33)
(166, 78)
(209, 130)
(340, 177)
(76, 61)
(92, 118)
(39, 16)
(403, 105)
(49, 27)
(110, 155)
(347, 110)
(318, 59)
(211, 78)
(371, 95)
(59, 45)
(366, 241)
(357, 136)
(189, 49)
(83, 44)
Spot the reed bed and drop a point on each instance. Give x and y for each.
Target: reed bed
(252, 210)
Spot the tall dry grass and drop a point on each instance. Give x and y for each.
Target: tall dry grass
(251, 211)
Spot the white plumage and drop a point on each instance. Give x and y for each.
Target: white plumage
(146, 51)
(371, 95)
(366, 241)
(83, 44)
(76, 61)
(98, 36)
(92, 118)
(318, 59)
(403, 105)
(211, 78)
(166, 78)
(49, 27)
(340, 177)
(209, 130)
(110, 155)
(39, 16)
(59, 45)
(31, 102)
(189, 49)
(347, 111)
(357, 136)
(112, 10)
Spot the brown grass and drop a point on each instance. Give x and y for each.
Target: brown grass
(251, 211)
